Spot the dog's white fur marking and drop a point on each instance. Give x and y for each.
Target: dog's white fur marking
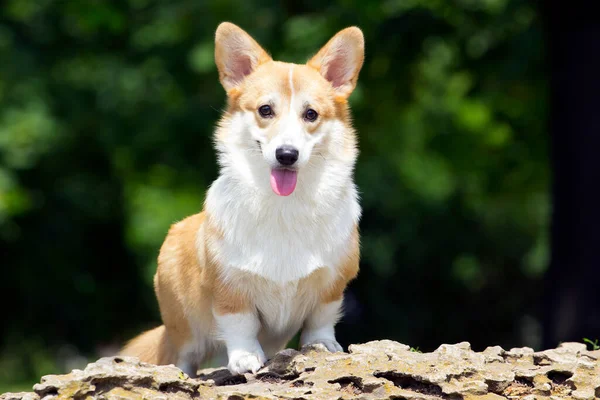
(239, 331)
(307, 230)
(319, 326)
(291, 79)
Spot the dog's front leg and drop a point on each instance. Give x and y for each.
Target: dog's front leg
(239, 332)
(319, 326)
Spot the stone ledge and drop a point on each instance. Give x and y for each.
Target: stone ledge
(376, 370)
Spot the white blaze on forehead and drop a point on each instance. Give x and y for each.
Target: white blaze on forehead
(291, 87)
(292, 132)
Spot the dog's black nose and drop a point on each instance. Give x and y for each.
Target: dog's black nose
(286, 155)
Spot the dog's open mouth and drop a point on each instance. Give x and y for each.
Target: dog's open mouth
(283, 181)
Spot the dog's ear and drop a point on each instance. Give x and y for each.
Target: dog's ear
(236, 54)
(340, 60)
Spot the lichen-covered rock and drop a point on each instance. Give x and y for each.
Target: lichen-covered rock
(111, 378)
(19, 396)
(375, 370)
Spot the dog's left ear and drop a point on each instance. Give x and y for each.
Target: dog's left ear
(236, 54)
(341, 59)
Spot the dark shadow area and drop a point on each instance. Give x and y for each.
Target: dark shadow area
(572, 298)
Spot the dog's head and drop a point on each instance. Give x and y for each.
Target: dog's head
(285, 118)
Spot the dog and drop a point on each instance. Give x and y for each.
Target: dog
(277, 241)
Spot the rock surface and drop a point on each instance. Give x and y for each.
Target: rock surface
(375, 370)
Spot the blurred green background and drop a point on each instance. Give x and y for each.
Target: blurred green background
(106, 114)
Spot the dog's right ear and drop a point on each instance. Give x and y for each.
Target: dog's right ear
(236, 55)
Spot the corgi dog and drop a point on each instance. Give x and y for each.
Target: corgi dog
(277, 241)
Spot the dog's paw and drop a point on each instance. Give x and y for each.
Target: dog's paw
(330, 344)
(243, 361)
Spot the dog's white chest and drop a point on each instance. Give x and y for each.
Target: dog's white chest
(280, 309)
(283, 240)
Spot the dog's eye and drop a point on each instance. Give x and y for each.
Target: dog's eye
(311, 115)
(265, 111)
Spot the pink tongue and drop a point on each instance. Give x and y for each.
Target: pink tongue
(283, 181)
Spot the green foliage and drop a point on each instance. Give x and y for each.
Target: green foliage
(106, 116)
(592, 343)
